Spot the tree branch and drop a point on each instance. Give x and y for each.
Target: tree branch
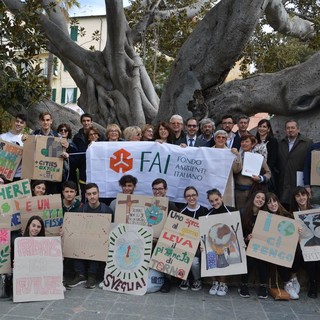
(279, 19)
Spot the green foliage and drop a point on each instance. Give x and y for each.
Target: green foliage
(269, 51)
(21, 40)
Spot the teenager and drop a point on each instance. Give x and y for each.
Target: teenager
(93, 205)
(193, 210)
(38, 188)
(69, 201)
(219, 286)
(248, 218)
(35, 227)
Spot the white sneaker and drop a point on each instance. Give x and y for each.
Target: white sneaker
(214, 289)
(223, 289)
(290, 289)
(296, 284)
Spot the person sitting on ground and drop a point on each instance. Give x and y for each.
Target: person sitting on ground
(92, 206)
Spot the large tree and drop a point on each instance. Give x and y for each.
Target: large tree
(116, 87)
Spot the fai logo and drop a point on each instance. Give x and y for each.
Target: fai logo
(120, 162)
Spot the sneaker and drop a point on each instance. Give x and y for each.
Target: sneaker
(196, 286)
(214, 289)
(296, 284)
(223, 289)
(184, 285)
(244, 291)
(91, 282)
(263, 292)
(78, 279)
(290, 289)
(313, 290)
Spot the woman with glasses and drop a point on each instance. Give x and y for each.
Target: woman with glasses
(93, 134)
(220, 139)
(193, 210)
(113, 133)
(147, 132)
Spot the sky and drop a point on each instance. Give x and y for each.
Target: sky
(91, 7)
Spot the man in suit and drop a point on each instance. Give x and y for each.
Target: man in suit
(191, 140)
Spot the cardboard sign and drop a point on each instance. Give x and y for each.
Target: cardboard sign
(315, 168)
(85, 235)
(177, 245)
(10, 158)
(49, 208)
(223, 245)
(5, 260)
(274, 239)
(42, 158)
(128, 259)
(37, 269)
(142, 210)
(10, 208)
(309, 237)
(9, 195)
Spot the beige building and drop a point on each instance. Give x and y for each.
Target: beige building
(89, 32)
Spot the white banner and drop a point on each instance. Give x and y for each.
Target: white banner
(203, 168)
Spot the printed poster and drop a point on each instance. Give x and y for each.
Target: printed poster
(10, 158)
(203, 168)
(86, 235)
(5, 257)
(142, 210)
(38, 269)
(128, 259)
(274, 239)
(49, 208)
(223, 245)
(9, 205)
(310, 235)
(177, 246)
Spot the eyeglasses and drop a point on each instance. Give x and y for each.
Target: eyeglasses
(194, 195)
(139, 134)
(113, 131)
(93, 134)
(192, 125)
(157, 189)
(63, 130)
(220, 137)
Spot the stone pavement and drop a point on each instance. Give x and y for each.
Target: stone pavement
(82, 304)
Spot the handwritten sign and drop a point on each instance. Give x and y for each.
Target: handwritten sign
(37, 269)
(15, 190)
(128, 259)
(5, 260)
(142, 210)
(315, 168)
(10, 158)
(223, 246)
(49, 208)
(86, 235)
(177, 245)
(309, 237)
(41, 158)
(10, 207)
(274, 239)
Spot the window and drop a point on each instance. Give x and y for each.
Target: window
(54, 95)
(74, 33)
(69, 95)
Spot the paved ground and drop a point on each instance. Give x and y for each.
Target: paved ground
(81, 303)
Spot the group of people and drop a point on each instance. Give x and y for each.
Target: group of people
(274, 189)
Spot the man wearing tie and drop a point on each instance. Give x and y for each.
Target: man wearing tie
(190, 140)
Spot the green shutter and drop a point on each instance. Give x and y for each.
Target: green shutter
(63, 95)
(75, 91)
(54, 95)
(74, 33)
